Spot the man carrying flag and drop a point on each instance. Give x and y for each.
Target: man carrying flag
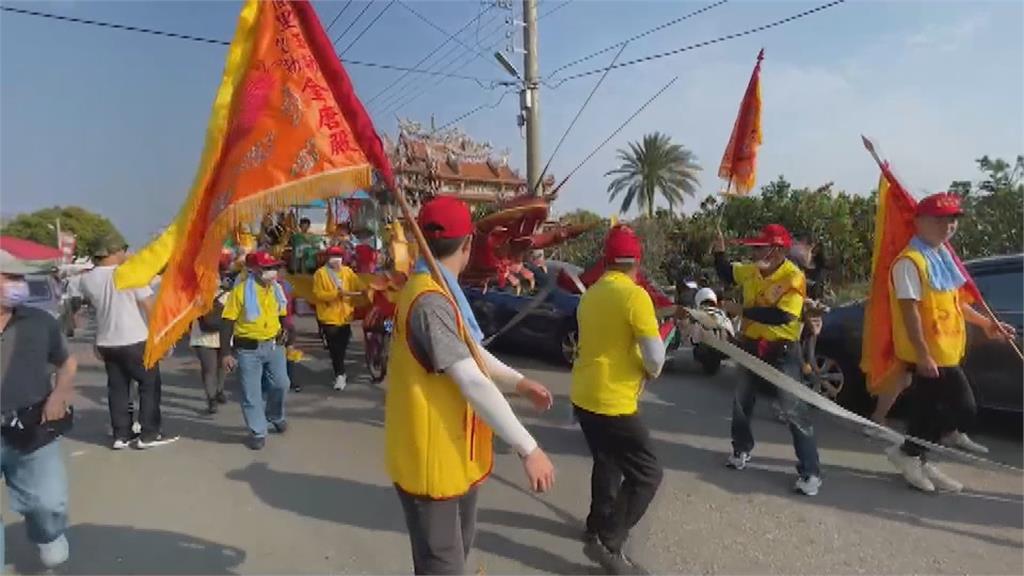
(929, 307)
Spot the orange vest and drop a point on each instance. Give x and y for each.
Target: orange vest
(436, 445)
(942, 321)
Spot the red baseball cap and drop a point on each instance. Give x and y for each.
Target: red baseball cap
(335, 251)
(622, 245)
(262, 259)
(771, 235)
(940, 205)
(445, 217)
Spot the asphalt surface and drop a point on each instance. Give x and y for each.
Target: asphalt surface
(317, 500)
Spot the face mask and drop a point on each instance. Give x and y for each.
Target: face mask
(334, 262)
(268, 275)
(15, 293)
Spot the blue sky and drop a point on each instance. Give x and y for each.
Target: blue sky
(113, 121)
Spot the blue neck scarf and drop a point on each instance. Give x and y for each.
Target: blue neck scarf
(333, 274)
(252, 301)
(468, 319)
(943, 273)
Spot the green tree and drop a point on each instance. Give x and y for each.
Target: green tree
(40, 226)
(655, 166)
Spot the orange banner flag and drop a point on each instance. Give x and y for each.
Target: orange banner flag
(739, 163)
(894, 228)
(286, 128)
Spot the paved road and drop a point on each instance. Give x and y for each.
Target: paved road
(318, 501)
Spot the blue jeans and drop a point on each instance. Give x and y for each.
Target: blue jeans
(797, 415)
(263, 371)
(37, 484)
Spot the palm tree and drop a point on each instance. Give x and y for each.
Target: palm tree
(651, 167)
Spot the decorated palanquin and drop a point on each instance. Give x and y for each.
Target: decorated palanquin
(505, 238)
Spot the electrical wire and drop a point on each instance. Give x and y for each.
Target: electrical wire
(351, 24)
(465, 115)
(437, 27)
(368, 26)
(555, 9)
(638, 36)
(340, 12)
(579, 113)
(204, 40)
(425, 58)
(613, 134)
(720, 39)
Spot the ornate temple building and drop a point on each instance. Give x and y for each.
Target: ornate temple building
(430, 163)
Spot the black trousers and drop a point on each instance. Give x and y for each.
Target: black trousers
(625, 477)
(938, 406)
(337, 343)
(124, 364)
(441, 531)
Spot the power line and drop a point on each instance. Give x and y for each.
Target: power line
(204, 40)
(340, 12)
(555, 9)
(368, 26)
(447, 62)
(577, 117)
(351, 24)
(463, 116)
(425, 58)
(638, 36)
(720, 39)
(435, 26)
(614, 134)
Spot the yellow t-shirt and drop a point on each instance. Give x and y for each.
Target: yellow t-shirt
(331, 308)
(613, 315)
(267, 325)
(785, 289)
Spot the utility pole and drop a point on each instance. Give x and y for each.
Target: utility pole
(528, 98)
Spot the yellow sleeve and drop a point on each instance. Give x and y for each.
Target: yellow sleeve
(233, 307)
(352, 281)
(641, 315)
(792, 301)
(324, 289)
(742, 272)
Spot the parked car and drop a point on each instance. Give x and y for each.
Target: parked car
(993, 368)
(44, 293)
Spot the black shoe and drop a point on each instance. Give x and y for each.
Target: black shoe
(589, 536)
(221, 398)
(280, 427)
(255, 442)
(613, 562)
(211, 407)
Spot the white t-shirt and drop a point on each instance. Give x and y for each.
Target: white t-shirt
(119, 320)
(906, 280)
(201, 339)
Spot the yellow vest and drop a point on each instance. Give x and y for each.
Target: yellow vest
(942, 321)
(785, 289)
(436, 445)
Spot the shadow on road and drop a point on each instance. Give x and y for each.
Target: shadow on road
(99, 549)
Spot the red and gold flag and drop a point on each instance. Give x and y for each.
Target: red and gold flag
(739, 163)
(894, 227)
(286, 128)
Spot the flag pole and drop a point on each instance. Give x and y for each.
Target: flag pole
(981, 299)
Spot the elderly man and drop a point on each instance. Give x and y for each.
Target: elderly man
(34, 413)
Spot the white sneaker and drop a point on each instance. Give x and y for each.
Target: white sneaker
(136, 428)
(55, 553)
(160, 440)
(121, 444)
(808, 486)
(957, 439)
(911, 467)
(340, 382)
(942, 482)
(738, 461)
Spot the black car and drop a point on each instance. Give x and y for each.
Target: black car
(993, 368)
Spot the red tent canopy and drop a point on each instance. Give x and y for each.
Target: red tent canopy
(28, 250)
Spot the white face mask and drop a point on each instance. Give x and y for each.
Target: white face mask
(334, 262)
(268, 275)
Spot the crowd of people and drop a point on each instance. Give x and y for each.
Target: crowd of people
(445, 399)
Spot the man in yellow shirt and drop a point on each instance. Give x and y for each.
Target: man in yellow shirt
(620, 348)
(774, 290)
(441, 408)
(930, 311)
(334, 286)
(253, 316)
